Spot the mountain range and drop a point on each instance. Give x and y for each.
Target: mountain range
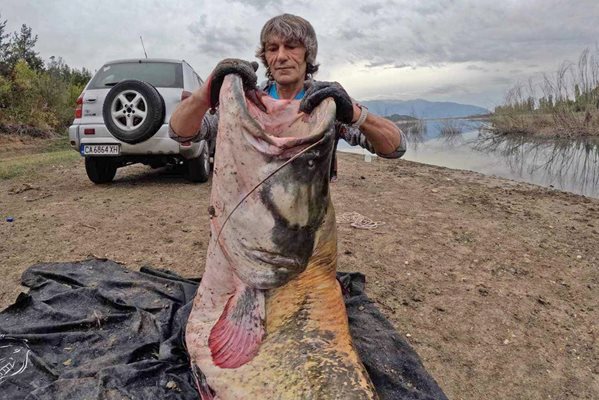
(423, 108)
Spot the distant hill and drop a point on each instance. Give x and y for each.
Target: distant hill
(399, 117)
(423, 108)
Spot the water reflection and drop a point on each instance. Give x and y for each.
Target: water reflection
(451, 130)
(570, 165)
(415, 131)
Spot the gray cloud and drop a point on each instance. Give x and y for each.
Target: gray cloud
(476, 68)
(447, 89)
(504, 40)
(347, 33)
(445, 31)
(387, 64)
(259, 4)
(372, 8)
(213, 40)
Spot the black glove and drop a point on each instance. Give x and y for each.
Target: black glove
(245, 69)
(318, 91)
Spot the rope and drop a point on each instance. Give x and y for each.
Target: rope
(358, 221)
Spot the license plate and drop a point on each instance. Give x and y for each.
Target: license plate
(101, 149)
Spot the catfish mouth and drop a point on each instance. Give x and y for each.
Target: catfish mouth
(278, 129)
(281, 147)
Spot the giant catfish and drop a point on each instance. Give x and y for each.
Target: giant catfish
(268, 320)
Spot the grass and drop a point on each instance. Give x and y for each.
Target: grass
(55, 144)
(31, 164)
(31, 155)
(558, 123)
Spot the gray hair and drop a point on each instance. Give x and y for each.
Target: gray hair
(290, 27)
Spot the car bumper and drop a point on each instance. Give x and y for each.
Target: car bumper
(159, 144)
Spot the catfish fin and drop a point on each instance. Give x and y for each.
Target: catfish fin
(235, 338)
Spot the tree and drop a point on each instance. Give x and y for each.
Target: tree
(3, 49)
(21, 47)
(80, 78)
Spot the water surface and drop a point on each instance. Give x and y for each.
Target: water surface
(568, 165)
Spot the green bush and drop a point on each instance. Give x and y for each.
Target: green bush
(31, 94)
(39, 99)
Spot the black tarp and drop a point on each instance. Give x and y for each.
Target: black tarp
(96, 330)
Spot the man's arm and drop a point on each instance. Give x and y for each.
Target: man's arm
(376, 134)
(383, 136)
(187, 119)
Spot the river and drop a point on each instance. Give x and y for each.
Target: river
(568, 165)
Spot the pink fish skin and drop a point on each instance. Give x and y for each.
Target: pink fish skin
(268, 320)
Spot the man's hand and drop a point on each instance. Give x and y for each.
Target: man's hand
(245, 69)
(319, 91)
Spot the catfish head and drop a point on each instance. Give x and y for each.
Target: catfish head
(271, 183)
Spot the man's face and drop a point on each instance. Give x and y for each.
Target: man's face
(286, 60)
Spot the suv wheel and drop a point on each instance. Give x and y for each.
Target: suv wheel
(198, 169)
(100, 169)
(133, 111)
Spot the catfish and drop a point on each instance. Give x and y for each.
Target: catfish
(268, 320)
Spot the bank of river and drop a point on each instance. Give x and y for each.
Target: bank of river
(568, 165)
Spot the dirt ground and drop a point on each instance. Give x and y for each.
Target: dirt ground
(494, 283)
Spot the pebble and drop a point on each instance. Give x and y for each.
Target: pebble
(10, 219)
(579, 257)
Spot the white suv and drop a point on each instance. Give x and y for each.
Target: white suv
(122, 118)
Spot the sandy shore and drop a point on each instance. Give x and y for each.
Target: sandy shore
(494, 283)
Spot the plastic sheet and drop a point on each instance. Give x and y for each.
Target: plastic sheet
(97, 330)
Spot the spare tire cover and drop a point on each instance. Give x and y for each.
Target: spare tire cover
(133, 111)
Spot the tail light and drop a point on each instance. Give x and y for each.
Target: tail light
(185, 94)
(79, 107)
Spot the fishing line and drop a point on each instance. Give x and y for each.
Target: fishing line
(264, 180)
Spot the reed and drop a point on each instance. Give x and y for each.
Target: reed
(563, 105)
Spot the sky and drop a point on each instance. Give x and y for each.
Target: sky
(468, 51)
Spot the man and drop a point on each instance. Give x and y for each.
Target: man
(288, 49)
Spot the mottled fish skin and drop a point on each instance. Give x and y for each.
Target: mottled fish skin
(280, 242)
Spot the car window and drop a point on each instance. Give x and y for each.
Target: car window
(159, 74)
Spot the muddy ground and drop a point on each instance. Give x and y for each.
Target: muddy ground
(494, 283)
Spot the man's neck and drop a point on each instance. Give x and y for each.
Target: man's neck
(289, 92)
